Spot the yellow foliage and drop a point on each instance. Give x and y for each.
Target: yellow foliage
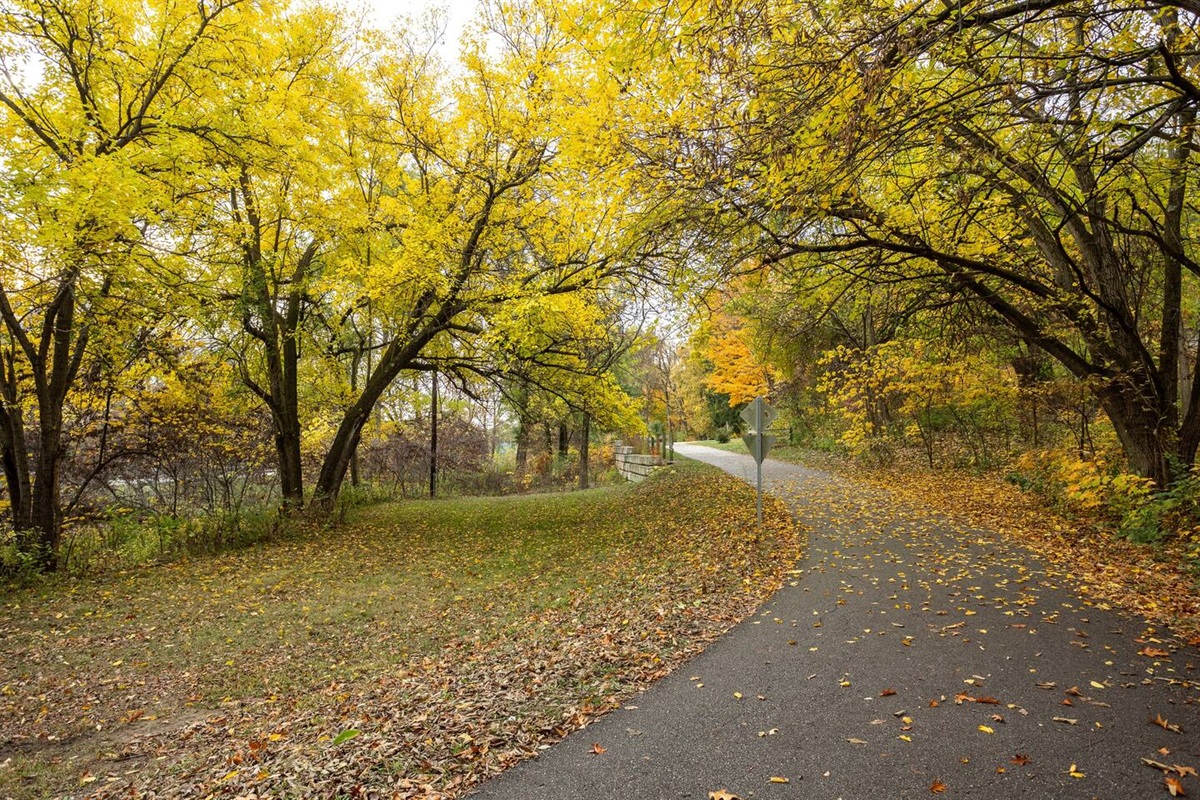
(911, 380)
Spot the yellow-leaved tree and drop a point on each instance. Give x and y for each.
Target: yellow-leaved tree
(92, 94)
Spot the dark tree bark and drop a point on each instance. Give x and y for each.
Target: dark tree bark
(433, 436)
(273, 315)
(585, 435)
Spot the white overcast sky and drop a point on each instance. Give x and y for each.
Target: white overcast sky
(457, 14)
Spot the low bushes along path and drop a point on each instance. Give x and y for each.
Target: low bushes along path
(909, 656)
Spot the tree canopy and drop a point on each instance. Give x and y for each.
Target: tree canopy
(316, 213)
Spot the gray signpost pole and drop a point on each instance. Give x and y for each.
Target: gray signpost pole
(758, 416)
(758, 455)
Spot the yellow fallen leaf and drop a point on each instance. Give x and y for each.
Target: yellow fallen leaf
(777, 779)
(1074, 772)
(737, 695)
(986, 729)
(1097, 685)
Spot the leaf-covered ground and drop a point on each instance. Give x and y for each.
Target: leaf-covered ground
(913, 654)
(1159, 582)
(411, 653)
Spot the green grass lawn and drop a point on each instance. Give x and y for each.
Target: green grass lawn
(507, 619)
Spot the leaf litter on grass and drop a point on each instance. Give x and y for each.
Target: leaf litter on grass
(415, 652)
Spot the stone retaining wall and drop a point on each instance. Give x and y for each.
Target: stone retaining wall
(633, 466)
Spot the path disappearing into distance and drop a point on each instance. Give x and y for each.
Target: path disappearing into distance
(909, 657)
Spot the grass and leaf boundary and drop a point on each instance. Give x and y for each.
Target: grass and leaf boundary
(416, 651)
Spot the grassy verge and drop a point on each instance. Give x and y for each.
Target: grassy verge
(423, 646)
(1157, 581)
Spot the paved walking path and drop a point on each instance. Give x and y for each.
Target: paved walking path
(848, 679)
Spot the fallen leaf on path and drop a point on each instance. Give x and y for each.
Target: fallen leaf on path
(1174, 787)
(1075, 773)
(1067, 720)
(1019, 760)
(1154, 652)
(937, 787)
(1166, 726)
(597, 749)
(721, 794)
(778, 779)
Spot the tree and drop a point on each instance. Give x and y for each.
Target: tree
(88, 105)
(260, 224)
(496, 239)
(1031, 160)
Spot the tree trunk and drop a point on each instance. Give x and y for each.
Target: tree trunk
(399, 355)
(584, 437)
(564, 440)
(433, 437)
(287, 452)
(1148, 438)
(283, 402)
(337, 459)
(15, 456)
(354, 479)
(522, 444)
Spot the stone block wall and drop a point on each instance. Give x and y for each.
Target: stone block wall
(634, 466)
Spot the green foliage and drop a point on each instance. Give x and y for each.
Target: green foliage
(126, 539)
(18, 565)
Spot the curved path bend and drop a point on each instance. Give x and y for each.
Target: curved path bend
(910, 658)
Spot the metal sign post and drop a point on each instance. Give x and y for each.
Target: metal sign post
(758, 417)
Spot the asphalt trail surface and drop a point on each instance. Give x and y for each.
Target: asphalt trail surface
(861, 678)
